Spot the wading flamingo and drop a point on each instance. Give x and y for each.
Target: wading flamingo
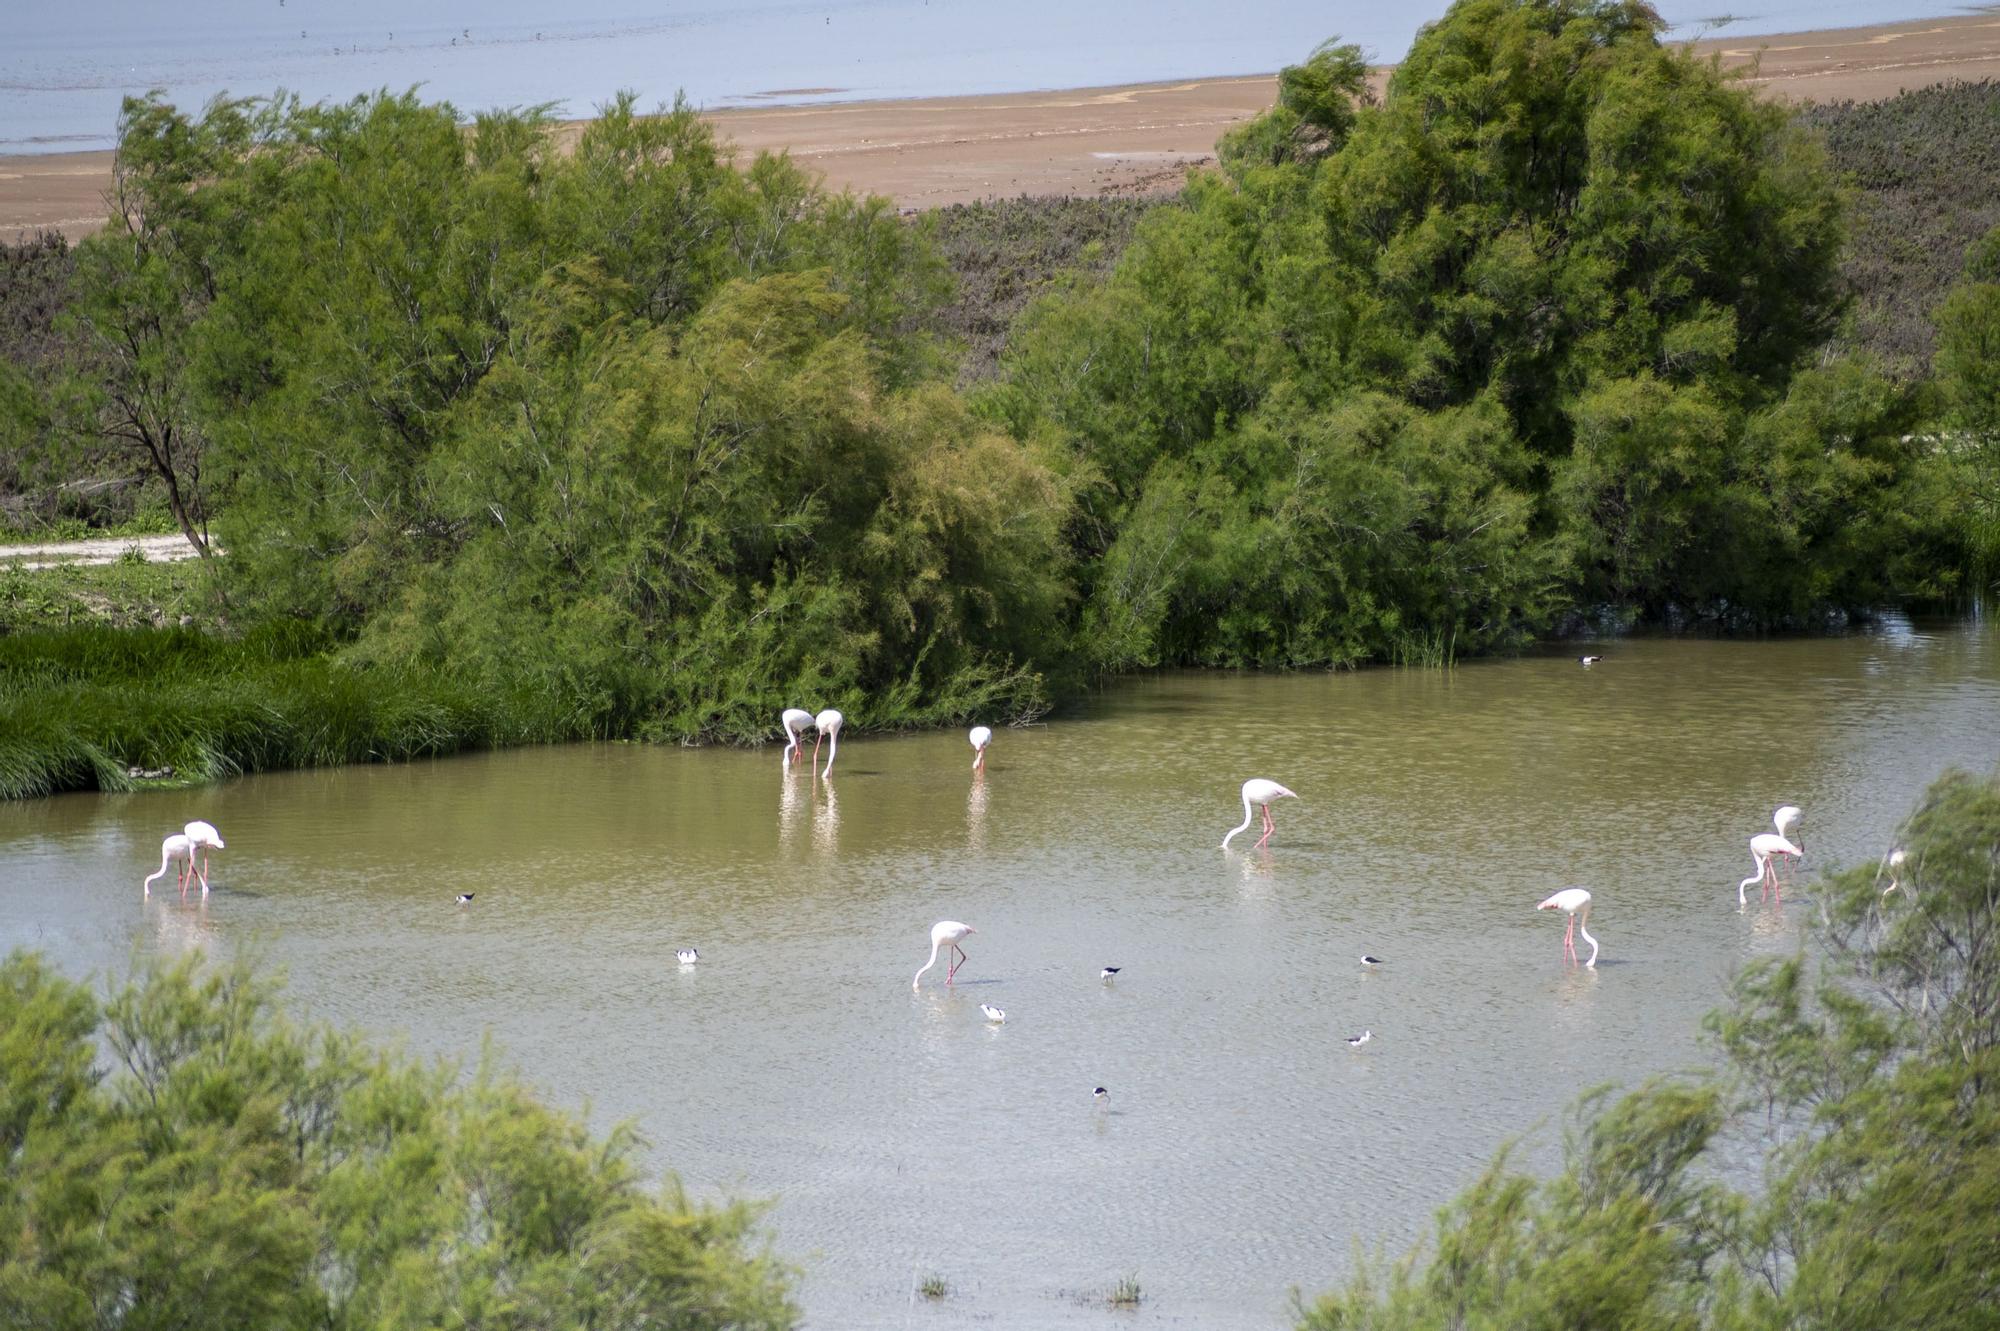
(202, 836)
(1260, 792)
(981, 736)
(1785, 819)
(946, 934)
(828, 724)
(175, 847)
(1896, 858)
(1575, 902)
(1763, 848)
(794, 720)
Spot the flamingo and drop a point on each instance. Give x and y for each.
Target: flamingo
(981, 736)
(202, 836)
(1762, 847)
(794, 720)
(946, 934)
(1260, 792)
(1785, 819)
(993, 1014)
(174, 847)
(1575, 901)
(828, 724)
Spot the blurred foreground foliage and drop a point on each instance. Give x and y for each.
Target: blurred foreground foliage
(179, 1154)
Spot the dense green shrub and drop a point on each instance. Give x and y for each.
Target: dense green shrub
(221, 1166)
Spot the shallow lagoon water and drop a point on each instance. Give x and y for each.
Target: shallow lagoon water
(1244, 1149)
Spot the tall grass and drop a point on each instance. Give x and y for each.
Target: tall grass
(82, 709)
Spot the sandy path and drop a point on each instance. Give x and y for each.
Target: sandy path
(925, 153)
(102, 550)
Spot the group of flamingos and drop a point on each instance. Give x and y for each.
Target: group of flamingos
(1767, 849)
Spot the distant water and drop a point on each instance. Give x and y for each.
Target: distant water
(64, 67)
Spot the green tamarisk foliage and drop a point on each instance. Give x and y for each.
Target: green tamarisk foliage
(179, 1154)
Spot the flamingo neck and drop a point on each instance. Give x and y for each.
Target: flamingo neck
(927, 965)
(1243, 826)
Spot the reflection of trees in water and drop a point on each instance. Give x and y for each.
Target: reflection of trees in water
(826, 820)
(975, 812)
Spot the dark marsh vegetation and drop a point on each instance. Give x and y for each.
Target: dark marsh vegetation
(1568, 329)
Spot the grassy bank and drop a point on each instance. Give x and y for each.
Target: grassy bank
(101, 708)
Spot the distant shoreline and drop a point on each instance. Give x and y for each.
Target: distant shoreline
(930, 152)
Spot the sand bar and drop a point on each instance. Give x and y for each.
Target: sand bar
(928, 152)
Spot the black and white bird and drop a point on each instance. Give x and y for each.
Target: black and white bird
(1370, 962)
(1356, 1041)
(687, 956)
(463, 898)
(1108, 972)
(993, 1013)
(1588, 660)
(1101, 1096)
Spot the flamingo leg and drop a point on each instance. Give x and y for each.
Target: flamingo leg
(1269, 826)
(1569, 939)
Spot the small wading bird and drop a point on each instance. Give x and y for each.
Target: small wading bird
(828, 725)
(1101, 1096)
(687, 956)
(993, 1013)
(1370, 962)
(175, 847)
(1575, 902)
(1895, 871)
(1259, 792)
(945, 934)
(794, 720)
(1356, 1041)
(1588, 660)
(203, 836)
(981, 736)
(1763, 848)
(1108, 972)
(463, 898)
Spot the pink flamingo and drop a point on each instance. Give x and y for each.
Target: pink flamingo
(202, 836)
(945, 934)
(1260, 792)
(794, 720)
(828, 724)
(175, 847)
(981, 736)
(1575, 902)
(1763, 848)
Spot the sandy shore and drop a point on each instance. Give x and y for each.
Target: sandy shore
(925, 153)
